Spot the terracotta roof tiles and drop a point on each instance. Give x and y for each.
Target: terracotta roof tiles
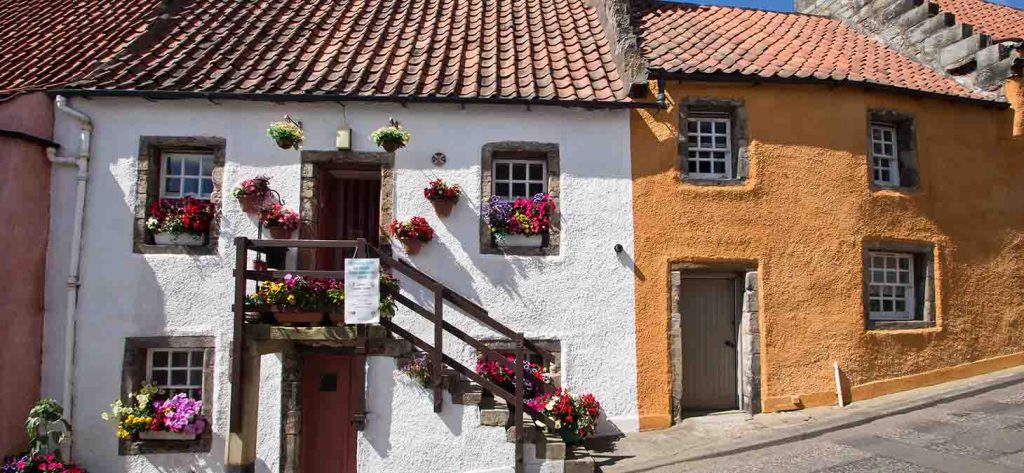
(693, 39)
(999, 21)
(547, 50)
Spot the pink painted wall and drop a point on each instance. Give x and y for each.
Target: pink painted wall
(24, 222)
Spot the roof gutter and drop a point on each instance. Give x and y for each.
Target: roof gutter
(727, 77)
(262, 97)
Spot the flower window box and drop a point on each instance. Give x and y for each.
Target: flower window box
(297, 300)
(523, 223)
(182, 222)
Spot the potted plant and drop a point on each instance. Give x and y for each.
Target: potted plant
(390, 137)
(522, 223)
(534, 375)
(47, 431)
(251, 193)
(281, 222)
(443, 196)
(575, 416)
(301, 300)
(182, 222)
(146, 416)
(286, 133)
(412, 233)
(417, 368)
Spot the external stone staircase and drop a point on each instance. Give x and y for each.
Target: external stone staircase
(494, 412)
(922, 30)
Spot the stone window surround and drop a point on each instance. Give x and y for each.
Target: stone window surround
(309, 197)
(749, 336)
(906, 149)
(521, 149)
(737, 112)
(147, 189)
(133, 373)
(925, 258)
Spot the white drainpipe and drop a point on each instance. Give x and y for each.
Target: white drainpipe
(82, 161)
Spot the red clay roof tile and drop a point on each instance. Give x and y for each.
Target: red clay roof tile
(457, 49)
(999, 21)
(694, 39)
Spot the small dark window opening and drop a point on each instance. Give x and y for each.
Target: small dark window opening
(892, 136)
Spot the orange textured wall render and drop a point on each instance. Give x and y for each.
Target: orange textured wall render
(803, 214)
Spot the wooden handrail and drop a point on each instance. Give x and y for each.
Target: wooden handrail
(256, 244)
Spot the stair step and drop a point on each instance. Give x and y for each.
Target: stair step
(494, 412)
(578, 460)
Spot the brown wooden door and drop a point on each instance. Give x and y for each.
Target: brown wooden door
(708, 309)
(349, 209)
(331, 385)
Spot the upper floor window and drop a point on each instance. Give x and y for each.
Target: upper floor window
(885, 169)
(186, 175)
(709, 154)
(713, 140)
(519, 178)
(892, 157)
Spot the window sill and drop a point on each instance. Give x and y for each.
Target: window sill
(520, 250)
(894, 190)
(147, 447)
(713, 182)
(888, 325)
(147, 249)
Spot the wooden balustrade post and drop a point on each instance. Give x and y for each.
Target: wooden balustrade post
(360, 247)
(437, 362)
(520, 405)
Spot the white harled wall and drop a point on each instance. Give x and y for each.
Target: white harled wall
(583, 296)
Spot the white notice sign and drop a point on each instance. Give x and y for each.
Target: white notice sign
(362, 291)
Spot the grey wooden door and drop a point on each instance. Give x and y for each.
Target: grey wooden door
(708, 309)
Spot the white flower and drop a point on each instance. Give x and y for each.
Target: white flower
(152, 223)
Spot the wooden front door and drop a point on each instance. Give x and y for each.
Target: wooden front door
(331, 385)
(709, 325)
(349, 209)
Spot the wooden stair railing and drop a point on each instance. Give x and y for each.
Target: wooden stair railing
(516, 399)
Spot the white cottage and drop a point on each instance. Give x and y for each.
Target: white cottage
(502, 98)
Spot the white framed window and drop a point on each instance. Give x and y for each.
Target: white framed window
(186, 175)
(884, 155)
(709, 147)
(515, 178)
(891, 286)
(178, 370)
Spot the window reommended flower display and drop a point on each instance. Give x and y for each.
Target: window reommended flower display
(180, 221)
(526, 217)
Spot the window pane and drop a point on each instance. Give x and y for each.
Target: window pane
(195, 378)
(536, 189)
(890, 277)
(518, 171)
(691, 126)
(191, 186)
(159, 358)
(207, 166)
(705, 142)
(720, 142)
(878, 150)
(518, 189)
(207, 188)
(876, 134)
(704, 167)
(705, 127)
(179, 377)
(179, 358)
(719, 127)
(691, 166)
(501, 189)
(173, 165)
(536, 172)
(718, 155)
(172, 185)
(719, 167)
(887, 305)
(501, 171)
(704, 155)
(875, 305)
(197, 359)
(159, 377)
(192, 167)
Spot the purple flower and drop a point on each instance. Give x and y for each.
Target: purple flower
(181, 414)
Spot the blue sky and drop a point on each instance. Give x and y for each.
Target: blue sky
(787, 5)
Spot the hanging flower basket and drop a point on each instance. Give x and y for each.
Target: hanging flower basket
(281, 222)
(252, 193)
(391, 138)
(287, 134)
(443, 196)
(413, 233)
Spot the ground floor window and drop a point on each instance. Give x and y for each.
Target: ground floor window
(899, 284)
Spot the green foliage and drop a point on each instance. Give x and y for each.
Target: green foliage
(390, 134)
(286, 130)
(46, 427)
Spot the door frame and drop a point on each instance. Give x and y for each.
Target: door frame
(737, 296)
(748, 346)
(313, 162)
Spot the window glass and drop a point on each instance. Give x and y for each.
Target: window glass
(709, 153)
(177, 370)
(187, 175)
(519, 178)
(891, 286)
(884, 161)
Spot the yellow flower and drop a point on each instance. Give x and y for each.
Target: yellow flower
(291, 298)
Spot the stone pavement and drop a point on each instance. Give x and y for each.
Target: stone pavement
(973, 425)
